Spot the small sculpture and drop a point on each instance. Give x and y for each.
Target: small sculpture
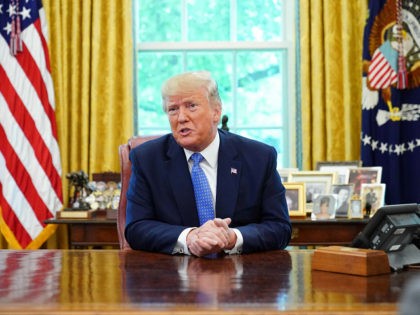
(224, 123)
(79, 181)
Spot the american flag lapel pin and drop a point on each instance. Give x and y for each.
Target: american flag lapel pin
(233, 171)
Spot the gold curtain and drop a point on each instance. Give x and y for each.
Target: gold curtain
(91, 53)
(331, 72)
(91, 50)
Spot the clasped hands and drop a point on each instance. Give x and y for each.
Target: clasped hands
(212, 237)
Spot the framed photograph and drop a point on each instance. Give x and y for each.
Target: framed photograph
(316, 182)
(285, 172)
(344, 194)
(356, 210)
(364, 175)
(295, 198)
(324, 207)
(350, 164)
(373, 196)
(342, 169)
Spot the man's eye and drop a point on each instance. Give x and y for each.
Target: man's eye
(172, 109)
(192, 106)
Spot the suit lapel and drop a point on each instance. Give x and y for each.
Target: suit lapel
(228, 178)
(180, 181)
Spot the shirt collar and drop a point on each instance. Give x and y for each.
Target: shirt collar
(210, 153)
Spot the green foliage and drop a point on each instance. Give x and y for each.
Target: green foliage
(158, 21)
(208, 20)
(259, 20)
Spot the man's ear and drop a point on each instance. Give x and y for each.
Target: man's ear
(217, 113)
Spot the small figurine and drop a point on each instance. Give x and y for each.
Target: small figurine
(224, 123)
(79, 180)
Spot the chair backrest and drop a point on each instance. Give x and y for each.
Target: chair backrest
(124, 152)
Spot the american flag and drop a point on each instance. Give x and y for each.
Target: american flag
(383, 68)
(30, 167)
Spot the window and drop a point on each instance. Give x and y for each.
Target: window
(248, 46)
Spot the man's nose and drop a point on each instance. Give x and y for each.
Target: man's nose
(182, 114)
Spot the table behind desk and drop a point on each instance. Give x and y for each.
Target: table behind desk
(131, 282)
(100, 231)
(306, 232)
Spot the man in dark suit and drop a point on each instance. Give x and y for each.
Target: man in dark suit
(343, 196)
(248, 198)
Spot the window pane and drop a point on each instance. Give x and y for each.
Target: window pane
(220, 66)
(208, 20)
(153, 69)
(260, 88)
(158, 21)
(273, 137)
(260, 20)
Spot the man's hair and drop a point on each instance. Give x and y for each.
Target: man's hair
(191, 81)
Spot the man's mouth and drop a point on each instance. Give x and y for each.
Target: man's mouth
(184, 131)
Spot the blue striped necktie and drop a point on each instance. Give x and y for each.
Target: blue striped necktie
(202, 190)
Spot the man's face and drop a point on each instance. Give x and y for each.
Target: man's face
(193, 120)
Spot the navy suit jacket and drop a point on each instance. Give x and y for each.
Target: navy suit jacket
(161, 204)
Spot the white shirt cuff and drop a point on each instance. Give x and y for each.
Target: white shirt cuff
(181, 244)
(237, 249)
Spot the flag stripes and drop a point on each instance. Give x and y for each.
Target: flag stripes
(23, 147)
(23, 181)
(13, 230)
(381, 74)
(382, 70)
(26, 79)
(19, 115)
(30, 167)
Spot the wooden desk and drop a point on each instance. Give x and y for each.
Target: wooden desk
(134, 282)
(100, 231)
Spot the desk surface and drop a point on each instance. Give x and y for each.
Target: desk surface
(131, 282)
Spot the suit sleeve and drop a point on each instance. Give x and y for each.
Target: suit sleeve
(146, 229)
